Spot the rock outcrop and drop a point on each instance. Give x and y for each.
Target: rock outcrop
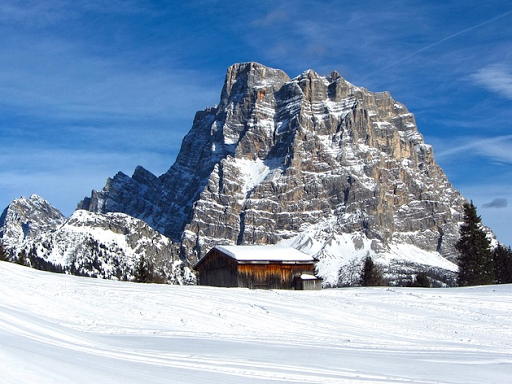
(110, 246)
(313, 161)
(26, 218)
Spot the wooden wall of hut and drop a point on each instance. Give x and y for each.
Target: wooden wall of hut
(218, 270)
(307, 284)
(271, 275)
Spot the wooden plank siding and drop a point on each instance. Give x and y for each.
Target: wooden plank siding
(307, 284)
(218, 270)
(221, 270)
(272, 275)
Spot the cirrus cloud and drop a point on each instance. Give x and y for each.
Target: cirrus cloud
(495, 78)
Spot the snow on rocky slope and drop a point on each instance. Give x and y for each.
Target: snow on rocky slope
(65, 329)
(28, 217)
(314, 161)
(89, 244)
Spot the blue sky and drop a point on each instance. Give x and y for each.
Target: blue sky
(92, 87)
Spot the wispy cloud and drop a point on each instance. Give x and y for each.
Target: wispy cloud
(30, 15)
(496, 203)
(56, 78)
(496, 148)
(90, 72)
(36, 13)
(325, 38)
(495, 78)
(278, 15)
(441, 41)
(25, 160)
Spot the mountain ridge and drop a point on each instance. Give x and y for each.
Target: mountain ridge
(278, 156)
(312, 161)
(110, 246)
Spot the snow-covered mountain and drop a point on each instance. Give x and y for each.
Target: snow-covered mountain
(316, 162)
(26, 218)
(109, 245)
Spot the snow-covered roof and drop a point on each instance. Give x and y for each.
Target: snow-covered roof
(264, 253)
(307, 276)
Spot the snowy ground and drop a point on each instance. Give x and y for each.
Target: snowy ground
(67, 329)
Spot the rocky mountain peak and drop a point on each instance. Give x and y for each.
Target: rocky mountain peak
(244, 77)
(25, 217)
(334, 76)
(143, 176)
(313, 161)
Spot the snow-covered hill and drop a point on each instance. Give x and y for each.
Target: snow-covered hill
(65, 329)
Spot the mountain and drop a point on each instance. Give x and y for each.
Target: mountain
(314, 162)
(26, 218)
(111, 245)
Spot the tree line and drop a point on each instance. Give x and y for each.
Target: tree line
(479, 263)
(144, 271)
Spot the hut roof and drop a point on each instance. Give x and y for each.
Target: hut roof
(307, 276)
(264, 253)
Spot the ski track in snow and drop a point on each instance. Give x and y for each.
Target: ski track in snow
(66, 329)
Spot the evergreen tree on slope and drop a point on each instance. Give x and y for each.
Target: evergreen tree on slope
(3, 253)
(476, 266)
(503, 264)
(371, 275)
(143, 271)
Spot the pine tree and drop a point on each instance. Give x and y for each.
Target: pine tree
(422, 280)
(476, 266)
(141, 271)
(371, 275)
(502, 265)
(145, 272)
(3, 253)
(22, 258)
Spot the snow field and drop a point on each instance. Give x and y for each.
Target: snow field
(62, 329)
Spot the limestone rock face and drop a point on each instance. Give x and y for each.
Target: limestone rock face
(313, 161)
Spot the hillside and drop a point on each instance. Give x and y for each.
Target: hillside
(110, 246)
(65, 329)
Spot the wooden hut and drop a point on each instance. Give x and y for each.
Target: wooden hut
(307, 282)
(267, 267)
